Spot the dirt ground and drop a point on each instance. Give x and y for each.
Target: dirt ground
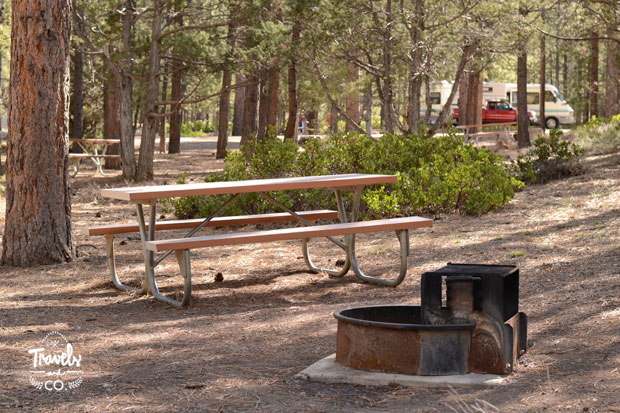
(243, 339)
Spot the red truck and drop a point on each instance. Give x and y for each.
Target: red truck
(498, 111)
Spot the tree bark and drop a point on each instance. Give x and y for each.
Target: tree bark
(149, 128)
(262, 103)
(239, 104)
(77, 96)
(541, 103)
(250, 109)
(111, 117)
(594, 75)
(612, 84)
(176, 92)
(272, 98)
(125, 109)
(523, 122)
(162, 121)
(38, 200)
(368, 107)
(224, 106)
(388, 92)
(293, 104)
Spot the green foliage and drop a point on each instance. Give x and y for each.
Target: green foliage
(198, 128)
(434, 175)
(550, 158)
(599, 135)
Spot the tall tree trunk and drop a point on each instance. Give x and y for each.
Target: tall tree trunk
(127, 136)
(414, 88)
(523, 121)
(612, 85)
(368, 108)
(293, 104)
(222, 130)
(239, 105)
(565, 74)
(388, 92)
(176, 92)
(541, 102)
(262, 103)
(272, 98)
(162, 121)
(149, 128)
(77, 96)
(111, 117)
(38, 200)
(250, 109)
(594, 75)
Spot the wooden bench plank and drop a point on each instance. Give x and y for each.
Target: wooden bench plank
(289, 233)
(215, 222)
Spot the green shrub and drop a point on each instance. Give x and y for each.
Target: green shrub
(435, 175)
(550, 158)
(599, 135)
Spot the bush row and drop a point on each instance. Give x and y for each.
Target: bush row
(435, 175)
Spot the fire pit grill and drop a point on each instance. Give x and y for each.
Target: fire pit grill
(478, 330)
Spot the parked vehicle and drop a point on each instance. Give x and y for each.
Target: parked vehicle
(498, 111)
(557, 110)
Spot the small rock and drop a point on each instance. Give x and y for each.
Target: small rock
(340, 263)
(98, 214)
(107, 385)
(218, 277)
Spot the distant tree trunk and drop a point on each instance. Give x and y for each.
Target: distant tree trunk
(470, 99)
(594, 75)
(414, 88)
(368, 109)
(541, 102)
(222, 130)
(162, 121)
(239, 104)
(272, 98)
(176, 92)
(333, 113)
(250, 109)
(77, 96)
(127, 136)
(565, 75)
(388, 92)
(38, 200)
(429, 101)
(612, 85)
(523, 121)
(111, 117)
(262, 103)
(149, 129)
(293, 104)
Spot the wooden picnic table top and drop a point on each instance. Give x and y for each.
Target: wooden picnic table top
(99, 141)
(152, 193)
(484, 125)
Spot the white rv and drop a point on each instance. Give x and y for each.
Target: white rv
(557, 110)
(440, 91)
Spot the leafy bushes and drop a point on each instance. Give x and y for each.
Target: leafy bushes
(550, 158)
(434, 175)
(198, 128)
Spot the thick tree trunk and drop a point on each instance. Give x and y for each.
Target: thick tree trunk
(293, 104)
(111, 117)
(237, 126)
(594, 75)
(77, 96)
(38, 200)
(612, 85)
(523, 121)
(272, 98)
(541, 103)
(250, 109)
(149, 129)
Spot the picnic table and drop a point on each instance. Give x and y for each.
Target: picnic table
(471, 131)
(348, 225)
(93, 149)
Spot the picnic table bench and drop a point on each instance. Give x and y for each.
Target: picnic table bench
(505, 129)
(93, 149)
(348, 226)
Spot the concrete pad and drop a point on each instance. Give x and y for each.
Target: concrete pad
(328, 371)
